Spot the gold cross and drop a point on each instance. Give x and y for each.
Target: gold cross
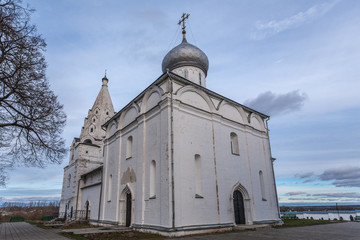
(183, 18)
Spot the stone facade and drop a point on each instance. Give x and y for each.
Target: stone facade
(86, 152)
(178, 159)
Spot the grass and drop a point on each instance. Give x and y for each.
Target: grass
(304, 222)
(73, 236)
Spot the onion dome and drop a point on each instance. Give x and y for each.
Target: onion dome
(185, 54)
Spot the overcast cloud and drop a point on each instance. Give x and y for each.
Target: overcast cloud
(295, 193)
(276, 104)
(304, 175)
(344, 177)
(340, 194)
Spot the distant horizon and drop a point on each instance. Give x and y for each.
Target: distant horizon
(281, 204)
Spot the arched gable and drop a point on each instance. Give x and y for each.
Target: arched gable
(129, 115)
(232, 112)
(151, 98)
(111, 129)
(88, 139)
(127, 189)
(195, 97)
(256, 122)
(242, 189)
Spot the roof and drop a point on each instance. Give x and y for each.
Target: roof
(172, 75)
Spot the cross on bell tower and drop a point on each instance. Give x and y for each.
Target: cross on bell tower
(182, 21)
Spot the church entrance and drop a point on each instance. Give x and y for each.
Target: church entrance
(87, 210)
(239, 207)
(128, 210)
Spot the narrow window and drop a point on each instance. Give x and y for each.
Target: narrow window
(94, 120)
(186, 74)
(261, 178)
(107, 113)
(69, 180)
(200, 79)
(129, 144)
(234, 144)
(152, 179)
(91, 129)
(109, 188)
(198, 177)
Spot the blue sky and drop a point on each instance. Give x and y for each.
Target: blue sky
(297, 61)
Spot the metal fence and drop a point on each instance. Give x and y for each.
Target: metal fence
(75, 215)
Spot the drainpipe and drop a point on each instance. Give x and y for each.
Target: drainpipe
(172, 150)
(272, 167)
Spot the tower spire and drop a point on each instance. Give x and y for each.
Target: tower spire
(105, 80)
(182, 21)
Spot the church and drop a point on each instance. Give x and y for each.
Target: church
(178, 159)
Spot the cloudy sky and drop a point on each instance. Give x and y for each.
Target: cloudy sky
(297, 61)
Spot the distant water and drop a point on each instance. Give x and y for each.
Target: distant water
(301, 204)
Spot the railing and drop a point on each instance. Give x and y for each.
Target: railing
(75, 215)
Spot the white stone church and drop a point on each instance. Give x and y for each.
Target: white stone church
(177, 159)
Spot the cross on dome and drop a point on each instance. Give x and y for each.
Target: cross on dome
(182, 21)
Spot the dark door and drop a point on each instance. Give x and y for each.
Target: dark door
(239, 207)
(87, 210)
(128, 209)
(65, 215)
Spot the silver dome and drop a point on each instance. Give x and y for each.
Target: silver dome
(185, 54)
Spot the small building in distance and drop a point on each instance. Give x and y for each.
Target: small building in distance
(178, 159)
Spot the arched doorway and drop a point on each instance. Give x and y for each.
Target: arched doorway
(65, 214)
(71, 212)
(87, 210)
(126, 213)
(128, 209)
(239, 213)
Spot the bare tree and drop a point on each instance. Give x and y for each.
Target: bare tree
(31, 118)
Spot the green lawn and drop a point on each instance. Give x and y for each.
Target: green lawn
(305, 222)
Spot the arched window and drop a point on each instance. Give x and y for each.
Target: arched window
(152, 179)
(129, 144)
(234, 144)
(262, 186)
(200, 79)
(69, 180)
(186, 74)
(198, 177)
(109, 188)
(88, 141)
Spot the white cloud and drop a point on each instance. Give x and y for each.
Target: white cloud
(272, 27)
